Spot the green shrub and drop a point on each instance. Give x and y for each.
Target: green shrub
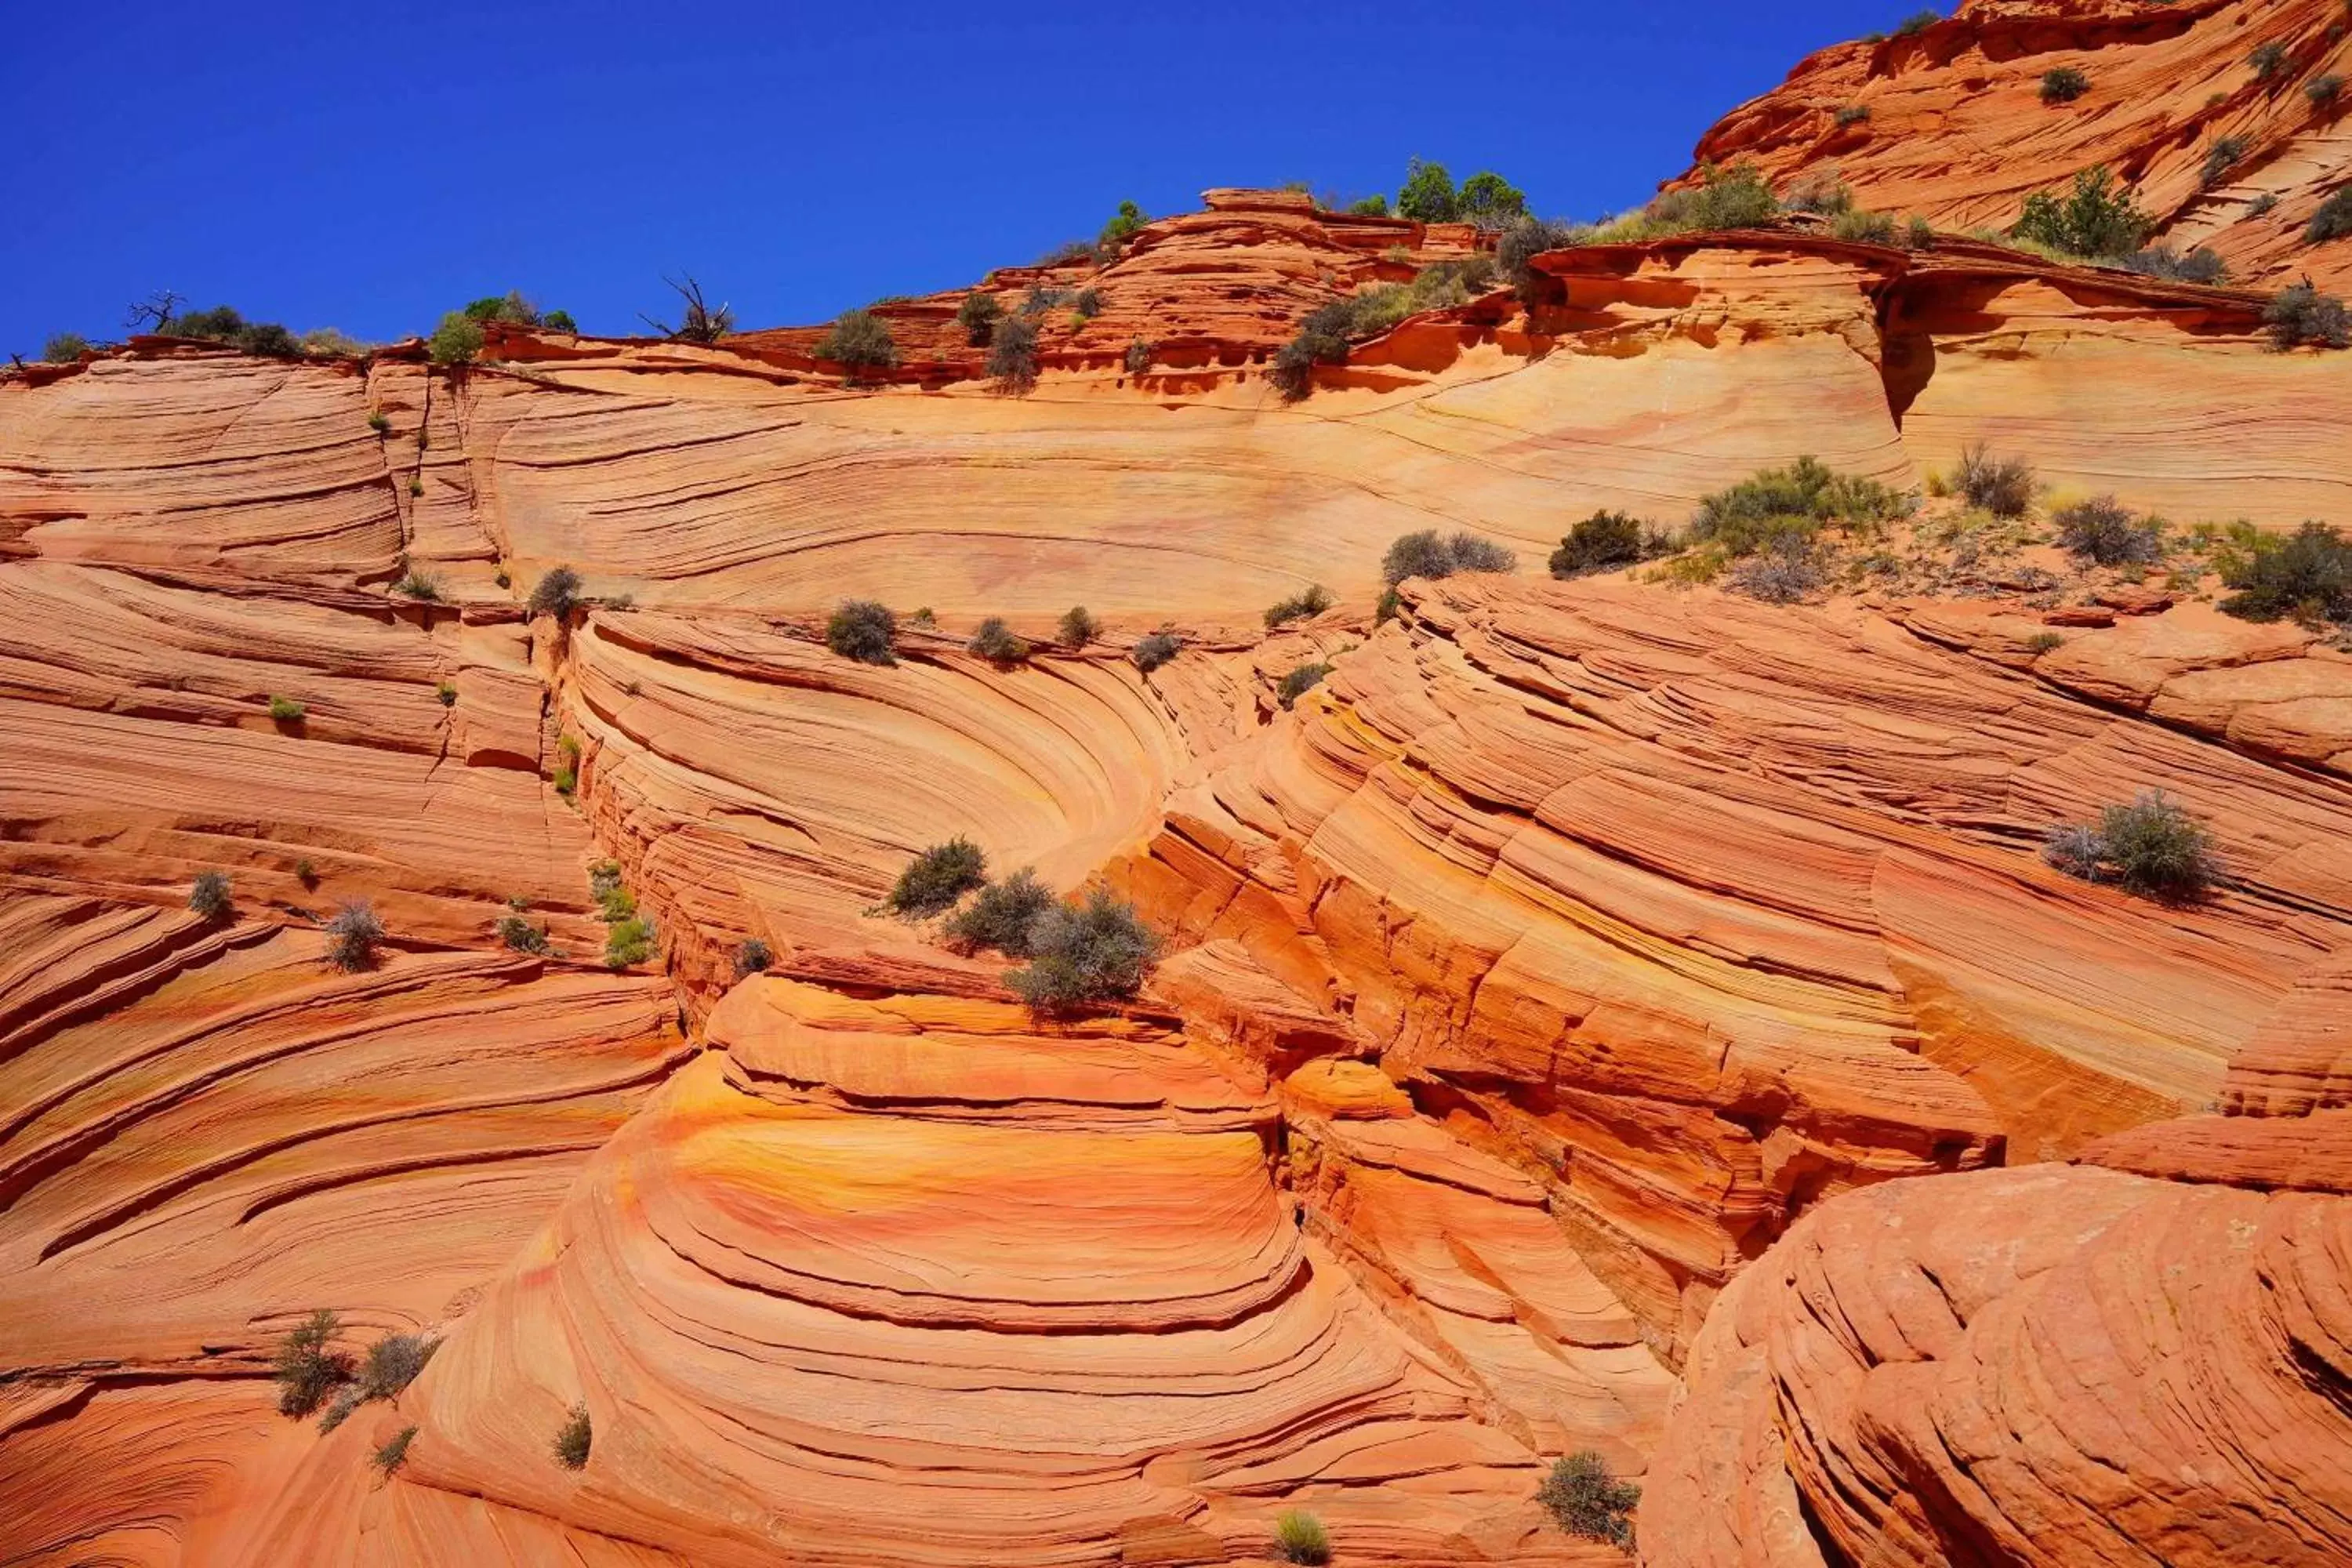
(1584, 1499)
(1918, 234)
(210, 896)
(978, 316)
(2220, 157)
(936, 878)
(393, 1363)
(353, 936)
(1917, 22)
(753, 958)
(2302, 314)
(1520, 243)
(1078, 628)
(1140, 354)
(286, 710)
(447, 693)
(1489, 201)
(2306, 575)
(2152, 847)
(2001, 486)
(1774, 504)
(380, 422)
(1736, 197)
(1151, 652)
(2096, 220)
(65, 348)
(416, 584)
(306, 873)
(2268, 59)
(573, 1439)
(2104, 531)
(2322, 90)
(2262, 203)
(1301, 680)
(629, 942)
(557, 593)
(862, 629)
(1428, 196)
(2064, 84)
(994, 642)
(2202, 265)
(456, 341)
(1121, 228)
(1301, 606)
(1013, 356)
(521, 936)
(1426, 555)
(604, 874)
(2333, 220)
(339, 1409)
(1862, 227)
(1085, 953)
(1299, 1537)
(1820, 192)
(1088, 305)
(1851, 114)
(560, 322)
(1000, 916)
(861, 340)
(616, 903)
(415, 485)
(1386, 610)
(1605, 539)
(2043, 642)
(394, 1454)
(306, 1370)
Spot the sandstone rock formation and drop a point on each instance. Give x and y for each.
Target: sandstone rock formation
(1611, 1015)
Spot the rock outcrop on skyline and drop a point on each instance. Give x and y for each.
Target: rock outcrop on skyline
(1618, 1016)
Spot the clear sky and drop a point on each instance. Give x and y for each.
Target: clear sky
(369, 164)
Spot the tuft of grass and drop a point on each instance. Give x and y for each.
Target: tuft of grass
(936, 878)
(629, 941)
(1299, 1537)
(286, 710)
(416, 584)
(2043, 642)
(447, 693)
(380, 422)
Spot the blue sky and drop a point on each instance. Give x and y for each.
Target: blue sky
(369, 166)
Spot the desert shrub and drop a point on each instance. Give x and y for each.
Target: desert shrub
(2202, 265)
(1863, 227)
(1089, 304)
(2064, 84)
(1428, 196)
(1426, 553)
(1520, 243)
(1917, 22)
(2322, 90)
(270, 339)
(605, 875)
(1304, 606)
(305, 1369)
(393, 1363)
(1001, 915)
(2220, 157)
(1140, 354)
(1013, 355)
(1603, 539)
(557, 593)
(2001, 486)
(521, 936)
(394, 1454)
(1783, 571)
(1387, 608)
(352, 935)
(753, 958)
(862, 629)
(2152, 847)
(2302, 314)
(936, 878)
(994, 642)
(416, 584)
(1584, 1499)
(65, 348)
(456, 341)
(1918, 234)
(860, 340)
(1082, 954)
(1076, 628)
(1820, 192)
(1736, 197)
(380, 422)
(2043, 642)
(2262, 203)
(415, 485)
(1043, 296)
(1299, 1537)
(339, 1409)
(629, 941)
(2096, 219)
(1370, 206)
(1302, 679)
(2333, 220)
(447, 693)
(209, 898)
(306, 873)
(1792, 502)
(2106, 531)
(1121, 228)
(2306, 575)
(1489, 201)
(1151, 652)
(2268, 59)
(573, 1439)
(286, 710)
(978, 316)
(616, 903)
(1851, 114)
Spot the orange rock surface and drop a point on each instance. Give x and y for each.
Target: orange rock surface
(1603, 1016)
